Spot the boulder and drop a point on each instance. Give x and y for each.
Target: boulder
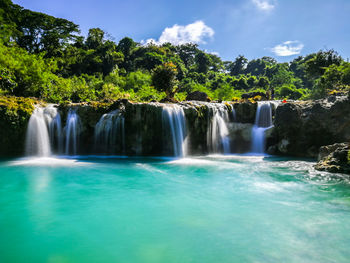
(337, 161)
(240, 135)
(328, 149)
(302, 127)
(198, 95)
(245, 112)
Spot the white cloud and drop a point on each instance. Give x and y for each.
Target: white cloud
(196, 32)
(214, 53)
(265, 5)
(288, 48)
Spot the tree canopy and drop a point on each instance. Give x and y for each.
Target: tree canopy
(46, 57)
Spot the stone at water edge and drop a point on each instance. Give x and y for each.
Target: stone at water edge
(337, 159)
(304, 126)
(328, 149)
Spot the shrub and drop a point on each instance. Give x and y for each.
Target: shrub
(164, 79)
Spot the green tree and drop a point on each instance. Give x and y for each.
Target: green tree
(137, 80)
(316, 66)
(256, 67)
(238, 66)
(334, 78)
(164, 79)
(126, 46)
(95, 38)
(187, 53)
(38, 32)
(241, 83)
(203, 62)
(263, 83)
(289, 92)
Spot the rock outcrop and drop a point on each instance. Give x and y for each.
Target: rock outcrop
(198, 96)
(245, 112)
(334, 158)
(14, 116)
(302, 127)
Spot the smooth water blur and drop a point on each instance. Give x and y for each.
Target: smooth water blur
(208, 209)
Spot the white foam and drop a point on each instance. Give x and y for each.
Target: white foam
(47, 161)
(191, 161)
(275, 186)
(203, 161)
(258, 157)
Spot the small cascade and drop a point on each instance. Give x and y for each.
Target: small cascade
(37, 137)
(218, 136)
(53, 120)
(110, 133)
(72, 130)
(174, 122)
(263, 121)
(233, 114)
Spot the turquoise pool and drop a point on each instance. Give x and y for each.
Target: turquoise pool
(205, 209)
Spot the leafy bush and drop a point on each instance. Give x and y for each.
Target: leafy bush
(289, 92)
(164, 79)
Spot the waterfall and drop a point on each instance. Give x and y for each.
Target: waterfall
(173, 118)
(72, 130)
(53, 120)
(110, 133)
(263, 121)
(37, 136)
(233, 113)
(217, 135)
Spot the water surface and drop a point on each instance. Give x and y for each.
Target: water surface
(207, 209)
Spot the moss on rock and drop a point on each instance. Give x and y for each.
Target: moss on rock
(14, 116)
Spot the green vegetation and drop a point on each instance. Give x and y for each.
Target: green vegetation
(45, 57)
(14, 115)
(164, 79)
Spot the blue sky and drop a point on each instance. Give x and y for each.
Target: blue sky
(283, 29)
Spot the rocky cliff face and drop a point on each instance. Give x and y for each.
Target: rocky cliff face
(301, 128)
(14, 117)
(144, 131)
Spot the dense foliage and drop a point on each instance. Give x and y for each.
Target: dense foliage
(45, 57)
(14, 115)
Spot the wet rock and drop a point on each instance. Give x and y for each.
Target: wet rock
(337, 161)
(283, 146)
(307, 126)
(14, 116)
(240, 135)
(328, 149)
(168, 100)
(272, 150)
(245, 112)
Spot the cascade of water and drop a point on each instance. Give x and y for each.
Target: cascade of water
(217, 134)
(263, 117)
(53, 120)
(234, 118)
(110, 133)
(72, 130)
(263, 121)
(37, 136)
(173, 118)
